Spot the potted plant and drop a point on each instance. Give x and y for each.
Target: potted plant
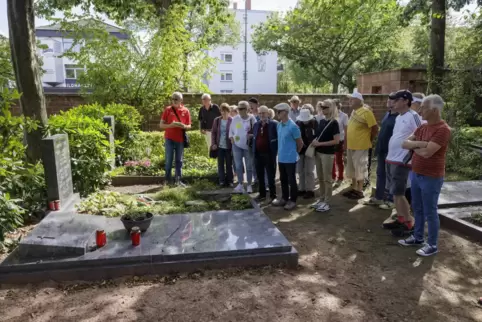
(137, 216)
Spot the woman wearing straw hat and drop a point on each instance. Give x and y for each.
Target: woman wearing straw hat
(327, 138)
(306, 165)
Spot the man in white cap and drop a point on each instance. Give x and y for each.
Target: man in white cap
(289, 145)
(207, 114)
(361, 131)
(295, 108)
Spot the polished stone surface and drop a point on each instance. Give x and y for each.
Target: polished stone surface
(459, 193)
(170, 238)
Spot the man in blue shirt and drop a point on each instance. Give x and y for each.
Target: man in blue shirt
(382, 197)
(289, 145)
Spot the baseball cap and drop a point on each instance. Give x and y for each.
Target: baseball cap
(402, 94)
(356, 95)
(282, 107)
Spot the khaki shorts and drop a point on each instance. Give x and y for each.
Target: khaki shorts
(357, 164)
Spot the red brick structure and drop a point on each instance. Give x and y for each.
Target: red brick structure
(413, 79)
(63, 102)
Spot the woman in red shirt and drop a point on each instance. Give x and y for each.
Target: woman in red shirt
(174, 121)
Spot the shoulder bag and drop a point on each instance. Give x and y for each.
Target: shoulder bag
(184, 134)
(310, 151)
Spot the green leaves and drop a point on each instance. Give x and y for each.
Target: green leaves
(328, 36)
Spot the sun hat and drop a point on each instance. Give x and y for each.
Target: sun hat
(356, 95)
(294, 98)
(282, 107)
(304, 116)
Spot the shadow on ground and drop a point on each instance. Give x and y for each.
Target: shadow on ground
(350, 270)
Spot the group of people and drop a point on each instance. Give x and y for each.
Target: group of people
(305, 143)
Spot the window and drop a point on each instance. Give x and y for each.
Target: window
(376, 89)
(226, 76)
(73, 71)
(68, 45)
(226, 91)
(227, 58)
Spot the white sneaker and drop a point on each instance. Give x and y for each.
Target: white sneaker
(279, 202)
(323, 207)
(387, 205)
(249, 189)
(317, 203)
(239, 188)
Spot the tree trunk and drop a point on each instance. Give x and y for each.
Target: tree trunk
(27, 71)
(335, 83)
(437, 47)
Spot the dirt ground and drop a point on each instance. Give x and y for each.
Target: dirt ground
(350, 270)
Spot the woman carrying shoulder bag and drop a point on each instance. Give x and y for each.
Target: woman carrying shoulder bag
(221, 143)
(327, 138)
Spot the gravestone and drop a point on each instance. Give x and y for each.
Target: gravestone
(58, 173)
(110, 121)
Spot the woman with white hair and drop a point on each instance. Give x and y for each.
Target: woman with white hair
(327, 138)
(241, 137)
(306, 165)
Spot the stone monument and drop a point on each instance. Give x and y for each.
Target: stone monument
(110, 121)
(58, 173)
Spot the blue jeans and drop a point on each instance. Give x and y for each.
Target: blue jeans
(225, 166)
(178, 147)
(238, 155)
(425, 193)
(381, 192)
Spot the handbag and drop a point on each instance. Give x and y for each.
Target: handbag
(310, 151)
(184, 134)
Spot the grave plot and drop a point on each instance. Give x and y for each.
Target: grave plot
(191, 229)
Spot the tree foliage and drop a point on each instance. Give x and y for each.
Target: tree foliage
(7, 77)
(329, 36)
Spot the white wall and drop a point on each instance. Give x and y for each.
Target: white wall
(259, 81)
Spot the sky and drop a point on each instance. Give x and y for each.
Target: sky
(271, 5)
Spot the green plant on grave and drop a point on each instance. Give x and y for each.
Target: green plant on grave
(11, 215)
(106, 203)
(137, 213)
(89, 150)
(476, 218)
(240, 202)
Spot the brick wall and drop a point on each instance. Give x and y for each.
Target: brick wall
(63, 102)
(414, 79)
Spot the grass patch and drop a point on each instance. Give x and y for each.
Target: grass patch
(475, 219)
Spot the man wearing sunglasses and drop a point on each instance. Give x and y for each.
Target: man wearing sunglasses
(174, 121)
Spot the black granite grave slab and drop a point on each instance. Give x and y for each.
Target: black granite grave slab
(217, 239)
(460, 193)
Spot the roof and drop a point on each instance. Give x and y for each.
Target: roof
(83, 22)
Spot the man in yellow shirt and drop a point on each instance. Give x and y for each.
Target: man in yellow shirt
(362, 129)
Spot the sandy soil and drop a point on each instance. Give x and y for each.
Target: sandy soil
(350, 270)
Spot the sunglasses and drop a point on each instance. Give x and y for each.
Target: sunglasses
(324, 107)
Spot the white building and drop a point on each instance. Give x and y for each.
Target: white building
(262, 72)
(61, 72)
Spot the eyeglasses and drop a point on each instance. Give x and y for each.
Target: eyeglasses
(324, 107)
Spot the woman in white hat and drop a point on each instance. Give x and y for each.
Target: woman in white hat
(327, 138)
(306, 165)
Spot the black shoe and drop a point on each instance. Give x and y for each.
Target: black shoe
(260, 198)
(356, 195)
(402, 231)
(301, 192)
(222, 184)
(309, 195)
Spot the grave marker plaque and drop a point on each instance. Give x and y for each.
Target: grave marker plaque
(110, 121)
(58, 173)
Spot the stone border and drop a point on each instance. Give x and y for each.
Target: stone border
(452, 218)
(102, 272)
(123, 180)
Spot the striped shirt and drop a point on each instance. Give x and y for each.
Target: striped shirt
(435, 165)
(405, 125)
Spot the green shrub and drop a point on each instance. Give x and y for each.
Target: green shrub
(461, 158)
(11, 215)
(89, 150)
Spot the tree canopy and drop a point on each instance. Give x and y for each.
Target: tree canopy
(329, 36)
